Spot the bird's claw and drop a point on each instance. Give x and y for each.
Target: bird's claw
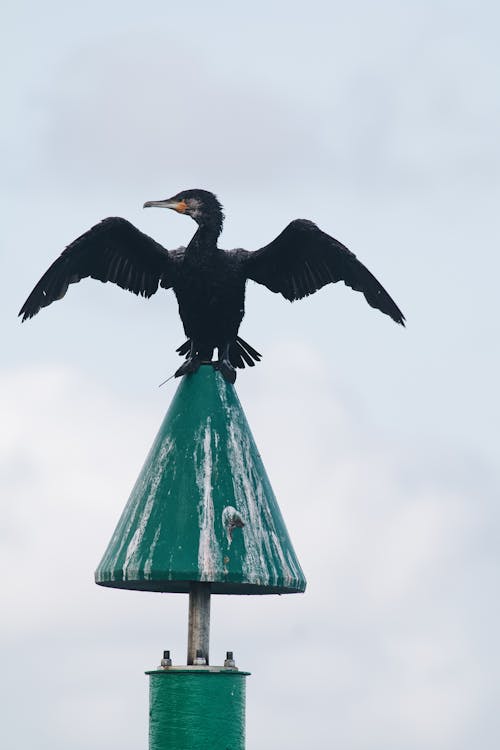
(190, 366)
(227, 370)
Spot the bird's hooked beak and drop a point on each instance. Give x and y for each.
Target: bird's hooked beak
(175, 204)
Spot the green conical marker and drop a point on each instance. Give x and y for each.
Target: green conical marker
(202, 508)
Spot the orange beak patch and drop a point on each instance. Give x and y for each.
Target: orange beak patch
(181, 207)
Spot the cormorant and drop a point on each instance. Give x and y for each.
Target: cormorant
(209, 282)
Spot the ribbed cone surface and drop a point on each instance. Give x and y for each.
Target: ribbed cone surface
(202, 508)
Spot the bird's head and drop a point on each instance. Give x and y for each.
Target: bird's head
(200, 205)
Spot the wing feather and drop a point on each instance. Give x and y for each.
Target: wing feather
(302, 259)
(113, 250)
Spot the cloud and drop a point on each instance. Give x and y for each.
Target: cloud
(137, 108)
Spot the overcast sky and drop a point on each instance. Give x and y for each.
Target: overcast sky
(380, 122)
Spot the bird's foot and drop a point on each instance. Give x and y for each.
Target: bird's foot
(189, 366)
(227, 370)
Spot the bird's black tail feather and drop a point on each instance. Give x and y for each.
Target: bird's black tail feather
(240, 353)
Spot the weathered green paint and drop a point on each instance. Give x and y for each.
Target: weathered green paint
(196, 709)
(202, 478)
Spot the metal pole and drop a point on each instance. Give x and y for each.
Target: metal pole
(199, 623)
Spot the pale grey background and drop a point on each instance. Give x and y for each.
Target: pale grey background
(380, 122)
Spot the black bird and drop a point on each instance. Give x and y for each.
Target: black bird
(209, 282)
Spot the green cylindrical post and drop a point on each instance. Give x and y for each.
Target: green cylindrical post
(197, 708)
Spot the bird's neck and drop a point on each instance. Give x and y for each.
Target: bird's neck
(207, 234)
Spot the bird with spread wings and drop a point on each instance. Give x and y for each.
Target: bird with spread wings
(209, 282)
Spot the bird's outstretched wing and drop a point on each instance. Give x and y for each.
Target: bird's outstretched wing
(302, 259)
(113, 250)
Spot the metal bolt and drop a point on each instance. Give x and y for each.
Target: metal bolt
(200, 659)
(166, 661)
(229, 662)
